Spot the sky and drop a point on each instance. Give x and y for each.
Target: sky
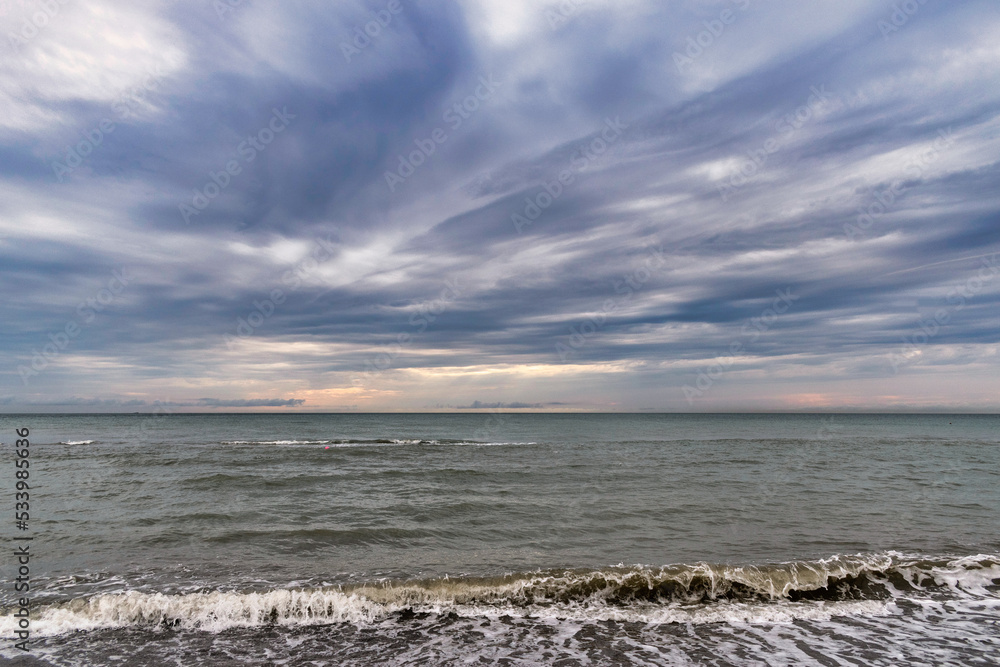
(488, 205)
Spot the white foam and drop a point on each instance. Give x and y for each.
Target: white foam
(275, 442)
(78, 442)
(374, 443)
(498, 444)
(615, 594)
(218, 611)
(965, 575)
(213, 612)
(722, 612)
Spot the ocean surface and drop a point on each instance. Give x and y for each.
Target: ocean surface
(507, 539)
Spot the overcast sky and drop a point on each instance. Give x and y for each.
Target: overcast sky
(500, 204)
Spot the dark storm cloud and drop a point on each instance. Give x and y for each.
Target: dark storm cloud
(250, 403)
(856, 168)
(479, 405)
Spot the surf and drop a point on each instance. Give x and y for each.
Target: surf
(863, 584)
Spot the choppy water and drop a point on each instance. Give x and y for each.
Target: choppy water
(511, 539)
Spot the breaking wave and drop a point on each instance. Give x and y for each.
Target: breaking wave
(698, 593)
(370, 443)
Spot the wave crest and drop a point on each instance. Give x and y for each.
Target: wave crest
(842, 585)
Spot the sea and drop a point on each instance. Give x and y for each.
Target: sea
(491, 538)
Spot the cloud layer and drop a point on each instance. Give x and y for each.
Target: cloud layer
(708, 205)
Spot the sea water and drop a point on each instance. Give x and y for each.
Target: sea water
(517, 539)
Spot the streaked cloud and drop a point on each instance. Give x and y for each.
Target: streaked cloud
(801, 148)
